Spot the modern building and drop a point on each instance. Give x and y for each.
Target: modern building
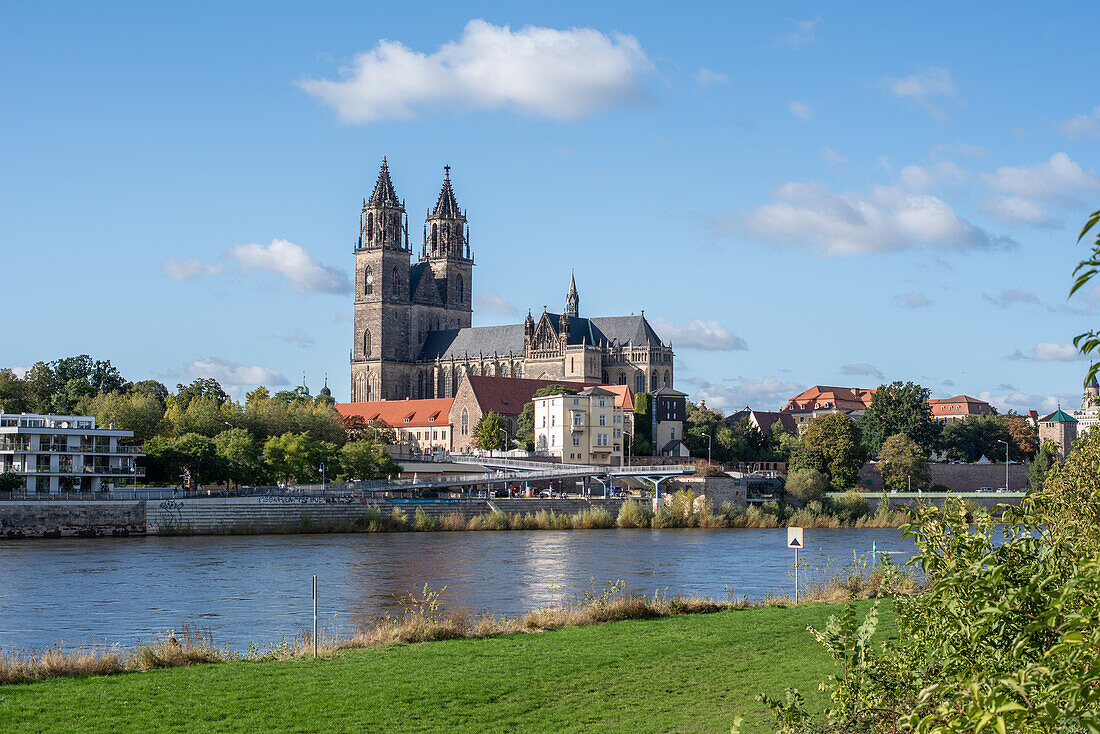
(1061, 428)
(824, 400)
(585, 428)
(56, 453)
(412, 325)
(420, 425)
(950, 410)
(669, 414)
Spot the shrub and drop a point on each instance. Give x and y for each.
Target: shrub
(423, 521)
(634, 515)
(807, 484)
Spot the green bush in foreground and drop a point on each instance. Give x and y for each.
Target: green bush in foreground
(1006, 636)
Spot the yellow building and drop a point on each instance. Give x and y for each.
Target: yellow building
(586, 428)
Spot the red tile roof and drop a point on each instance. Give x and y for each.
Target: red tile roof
(508, 395)
(960, 405)
(420, 413)
(840, 398)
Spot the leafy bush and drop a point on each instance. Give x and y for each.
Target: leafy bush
(634, 515)
(807, 484)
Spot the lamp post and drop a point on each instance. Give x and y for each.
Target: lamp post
(1001, 440)
(505, 432)
(322, 480)
(627, 449)
(708, 448)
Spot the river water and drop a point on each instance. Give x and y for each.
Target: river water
(258, 588)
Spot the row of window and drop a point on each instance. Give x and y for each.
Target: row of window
(395, 286)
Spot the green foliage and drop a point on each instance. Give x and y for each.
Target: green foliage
(1045, 460)
(490, 432)
(202, 387)
(903, 464)
(367, 460)
(198, 456)
(807, 485)
(832, 445)
(1006, 636)
(900, 408)
(1089, 342)
(976, 436)
(10, 482)
(297, 457)
(642, 442)
(240, 454)
(525, 427)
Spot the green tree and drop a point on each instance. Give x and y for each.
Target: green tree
(808, 485)
(900, 408)
(152, 388)
(490, 431)
(10, 482)
(976, 436)
(1039, 467)
(41, 385)
(1024, 436)
(13, 393)
(297, 457)
(833, 445)
(241, 455)
(367, 460)
(642, 441)
(525, 423)
(202, 387)
(198, 457)
(1089, 342)
(902, 461)
(381, 432)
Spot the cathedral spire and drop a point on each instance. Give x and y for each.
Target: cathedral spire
(446, 224)
(446, 206)
(384, 194)
(572, 299)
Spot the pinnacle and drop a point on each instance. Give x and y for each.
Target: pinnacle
(384, 194)
(446, 206)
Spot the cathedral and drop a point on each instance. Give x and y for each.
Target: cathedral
(413, 336)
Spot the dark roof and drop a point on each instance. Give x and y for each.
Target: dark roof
(766, 419)
(446, 206)
(475, 340)
(626, 330)
(384, 195)
(1093, 383)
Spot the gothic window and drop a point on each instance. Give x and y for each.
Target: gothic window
(396, 285)
(368, 281)
(465, 422)
(447, 389)
(370, 228)
(517, 371)
(435, 238)
(653, 381)
(366, 343)
(420, 385)
(668, 379)
(604, 378)
(639, 382)
(420, 327)
(461, 291)
(622, 378)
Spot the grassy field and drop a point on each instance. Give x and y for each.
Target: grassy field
(685, 674)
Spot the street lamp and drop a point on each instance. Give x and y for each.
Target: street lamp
(1001, 440)
(708, 448)
(322, 480)
(627, 447)
(505, 432)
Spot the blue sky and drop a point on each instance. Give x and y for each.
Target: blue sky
(796, 194)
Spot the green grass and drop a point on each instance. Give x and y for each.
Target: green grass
(685, 674)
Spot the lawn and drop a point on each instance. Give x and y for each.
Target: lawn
(683, 674)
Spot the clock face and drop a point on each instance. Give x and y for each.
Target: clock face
(370, 279)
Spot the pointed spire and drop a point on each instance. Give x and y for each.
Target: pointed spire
(384, 194)
(572, 299)
(446, 206)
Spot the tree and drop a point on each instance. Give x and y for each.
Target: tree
(199, 457)
(781, 442)
(900, 408)
(10, 482)
(833, 445)
(380, 432)
(976, 436)
(490, 432)
(902, 461)
(1024, 438)
(808, 485)
(13, 393)
(241, 455)
(202, 387)
(298, 456)
(642, 442)
(366, 460)
(153, 389)
(1089, 342)
(1045, 460)
(525, 427)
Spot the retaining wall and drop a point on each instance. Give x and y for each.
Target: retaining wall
(40, 519)
(957, 477)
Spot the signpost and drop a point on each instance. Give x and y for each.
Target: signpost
(314, 616)
(794, 540)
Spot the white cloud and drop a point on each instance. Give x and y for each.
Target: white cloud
(1021, 402)
(831, 157)
(802, 35)
(922, 178)
(924, 88)
(888, 219)
(1018, 210)
(489, 302)
(708, 77)
(1058, 179)
(800, 110)
(562, 74)
(912, 300)
(290, 261)
(233, 375)
(698, 334)
(862, 368)
(1010, 297)
(188, 268)
(1048, 352)
(300, 338)
(768, 393)
(1082, 126)
(19, 372)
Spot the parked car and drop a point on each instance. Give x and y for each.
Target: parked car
(985, 489)
(501, 493)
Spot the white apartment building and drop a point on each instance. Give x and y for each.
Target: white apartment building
(586, 428)
(55, 453)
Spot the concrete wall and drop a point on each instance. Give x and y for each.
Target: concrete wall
(715, 489)
(988, 500)
(957, 477)
(50, 519)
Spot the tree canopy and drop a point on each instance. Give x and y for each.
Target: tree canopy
(900, 408)
(832, 445)
(903, 464)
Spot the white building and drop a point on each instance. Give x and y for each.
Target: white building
(586, 428)
(55, 453)
(1089, 414)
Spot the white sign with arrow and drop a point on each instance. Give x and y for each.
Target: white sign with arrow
(794, 540)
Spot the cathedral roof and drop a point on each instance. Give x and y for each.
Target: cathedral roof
(446, 206)
(1093, 383)
(384, 194)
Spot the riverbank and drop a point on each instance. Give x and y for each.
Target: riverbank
(687, 672)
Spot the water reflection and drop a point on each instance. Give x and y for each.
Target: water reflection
(257, 588)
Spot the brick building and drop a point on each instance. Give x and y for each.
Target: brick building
(949, 410)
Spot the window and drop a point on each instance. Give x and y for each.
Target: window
(553, 440)
(368, 281)
(672, 433)
(366, 343)
(603, 419)
(576, 440)
(543, 422)
(576, 401)
(553, 420)
(461, 290)
(622, 378)
(618, 433)
(435, 237)
(602, 404)
(370, 228)
(465, 422)
(639, 382)
(653, 381)
(396, 285)
(668, 379)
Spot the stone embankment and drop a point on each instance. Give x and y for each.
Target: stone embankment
(222, 515)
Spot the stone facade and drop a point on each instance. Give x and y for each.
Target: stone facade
(1061, 428)
(412, 321)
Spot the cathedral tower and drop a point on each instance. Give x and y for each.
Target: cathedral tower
(381, 295)
(447, 250)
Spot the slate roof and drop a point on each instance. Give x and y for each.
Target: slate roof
(446, 206)
(765, 419)
(384, 194)
(473, 341)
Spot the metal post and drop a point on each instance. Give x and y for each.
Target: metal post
(1006, 461)
(315, 615)
(796, 575)
(322, 480)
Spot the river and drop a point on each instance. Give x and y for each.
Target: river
(257, 588)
